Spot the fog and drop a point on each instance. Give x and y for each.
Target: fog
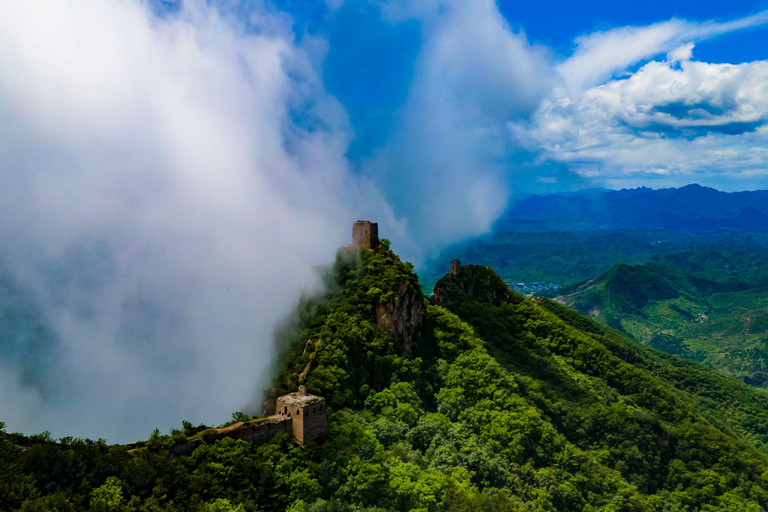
(173, 174)
(160, 209)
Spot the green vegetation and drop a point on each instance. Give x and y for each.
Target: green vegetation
(502, 405)
(569, 257)
(704, 312)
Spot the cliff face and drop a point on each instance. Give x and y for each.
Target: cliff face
(402, 315)
(356, 337)
(475, 281)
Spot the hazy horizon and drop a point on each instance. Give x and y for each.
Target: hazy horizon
(174, 172)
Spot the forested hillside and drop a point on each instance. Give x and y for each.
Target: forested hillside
(569, 257)
(700, 306)
(476, 399)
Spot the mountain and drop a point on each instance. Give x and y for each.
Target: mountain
(569, 257)
(693, 209)
(475, 399)
(688, 307)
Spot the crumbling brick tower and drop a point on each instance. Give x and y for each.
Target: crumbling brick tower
(365, 235)
(307, 413)
(455, 267)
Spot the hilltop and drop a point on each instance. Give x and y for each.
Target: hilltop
(687, 305)
(474, 399)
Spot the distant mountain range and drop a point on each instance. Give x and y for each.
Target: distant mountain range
(682, 270)
(693, 208)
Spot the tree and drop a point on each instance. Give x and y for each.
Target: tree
(108, 497)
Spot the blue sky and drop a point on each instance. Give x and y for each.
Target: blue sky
(556, 23)
(448, 109)
(174, 171)
(372, 62)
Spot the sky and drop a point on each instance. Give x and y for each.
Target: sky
(175, 172)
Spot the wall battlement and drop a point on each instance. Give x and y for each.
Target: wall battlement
(301, 414)
(307, 413)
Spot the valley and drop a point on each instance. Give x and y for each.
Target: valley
(698, 290)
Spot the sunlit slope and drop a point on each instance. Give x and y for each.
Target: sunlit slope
(732, 405)
(698, 313)
(569, 257)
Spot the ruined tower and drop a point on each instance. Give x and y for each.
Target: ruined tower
(365, 235)
(307, 413)
(455, 267)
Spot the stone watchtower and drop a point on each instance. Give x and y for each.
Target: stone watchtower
(455, 267)
(307, 413)
(365, 235)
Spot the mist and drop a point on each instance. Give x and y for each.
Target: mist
(174, 173)
(160, 210)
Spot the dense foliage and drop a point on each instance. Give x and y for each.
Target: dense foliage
(502, 405)
(569, 257)
(701, 306)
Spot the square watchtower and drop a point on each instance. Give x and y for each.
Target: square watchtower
(365, 235)
(307, 413)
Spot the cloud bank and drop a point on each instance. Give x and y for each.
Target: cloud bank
(171, 179)
(161, 205)
(673, 119)
(444, 170)
(682, 118)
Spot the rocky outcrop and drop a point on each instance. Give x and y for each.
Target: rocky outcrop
(475, 281)
(402, 315)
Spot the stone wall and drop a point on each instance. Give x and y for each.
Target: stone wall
(310, 423)
(257, 432)
(307, 413)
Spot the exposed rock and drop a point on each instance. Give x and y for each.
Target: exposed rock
(303, 375)
(402, 315)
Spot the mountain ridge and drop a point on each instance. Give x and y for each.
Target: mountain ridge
(693, 208)
(679, 305)
(500, 403)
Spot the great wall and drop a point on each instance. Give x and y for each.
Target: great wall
(301, 414)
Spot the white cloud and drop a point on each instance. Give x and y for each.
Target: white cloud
(162, 204)
(676, 118)
(668, 118)
(681, 53)
(444, 169)
(600, 55)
